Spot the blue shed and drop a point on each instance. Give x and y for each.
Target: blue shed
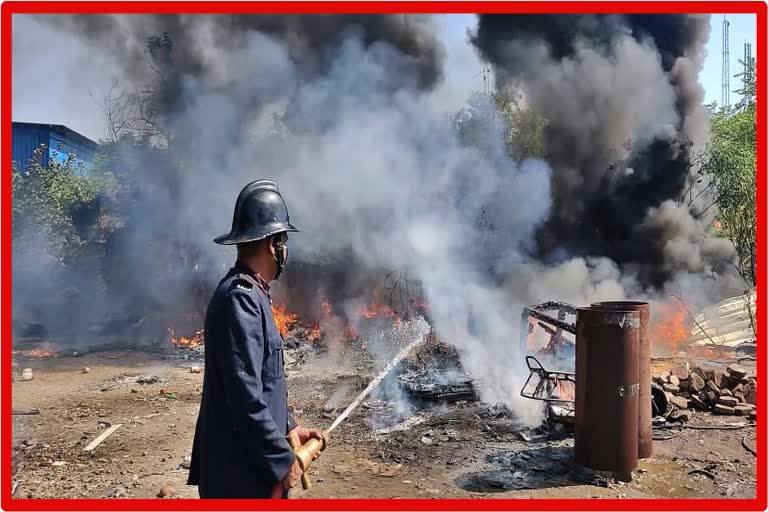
(60, 142)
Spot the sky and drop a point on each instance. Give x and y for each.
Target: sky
(45, 90)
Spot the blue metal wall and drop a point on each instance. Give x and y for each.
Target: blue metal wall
(26, 138)
(60, 142)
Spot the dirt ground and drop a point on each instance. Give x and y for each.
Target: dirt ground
(463, 449)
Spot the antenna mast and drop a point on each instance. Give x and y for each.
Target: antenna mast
(726, 78)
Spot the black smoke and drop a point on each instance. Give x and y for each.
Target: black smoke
(586, 75)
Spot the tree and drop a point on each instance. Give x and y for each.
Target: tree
(732, 168)
(64, 206)
(485, 117)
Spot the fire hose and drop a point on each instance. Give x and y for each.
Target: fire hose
(306, 453)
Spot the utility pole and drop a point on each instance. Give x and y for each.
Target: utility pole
(726, 78)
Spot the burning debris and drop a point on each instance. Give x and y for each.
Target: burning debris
(184, 342)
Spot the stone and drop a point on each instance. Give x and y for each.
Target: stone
(753, 415)
(723, 409)
(751, 396)
(166, 490)
(699, 404)
(683, 415)
(669, 396)
(728, 401)
(681, 372)
(711, 386)
(674, 380)
(711, 397)
(696, 383)
(685, 384)
(726, 392)
(719, 379)
(737, 372)
(740, 397)
(86, 370)
(195, 369)
(701, 373)
(679, 402)
(26, 374)
(738, 388)
(665, 377)
(186, 462)
(684, 394)
(742, 410)
(671, 388)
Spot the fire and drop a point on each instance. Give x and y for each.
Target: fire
(39, 353)
(314, 333)
(376, 308)
(183, 341)
(670, 331)
(565, 390)
(283, 320)
(326, 307)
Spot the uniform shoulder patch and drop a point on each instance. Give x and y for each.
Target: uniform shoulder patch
(243, 282)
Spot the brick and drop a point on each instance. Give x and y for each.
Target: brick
(711, 397)
(753, 415)
(728, 401)
(680, 402)
(751, 397)
(711, 386)
(674, 380)
(701, 373)
(681, 372)
(742, 410)
(685, 384)
(737, 372)
(699, 404)
(684, 394)
(684, 415)
(664, 377)
(719, 379)
(740, 397)
(738, 388)
(726, 392)
(723, 409)
(696, 383)
(671, 388)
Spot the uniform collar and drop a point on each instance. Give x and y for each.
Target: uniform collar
(241, 268)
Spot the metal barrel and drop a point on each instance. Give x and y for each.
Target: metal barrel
(645, 403)
(608, 389)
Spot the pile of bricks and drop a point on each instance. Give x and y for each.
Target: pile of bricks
(731, 392)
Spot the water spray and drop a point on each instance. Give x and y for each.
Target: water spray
(305, 453)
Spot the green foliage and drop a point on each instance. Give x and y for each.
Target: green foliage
(732, 167)
(483, 117)
(65, 207)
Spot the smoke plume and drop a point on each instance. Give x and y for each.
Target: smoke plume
(624, 119)
(337, 110)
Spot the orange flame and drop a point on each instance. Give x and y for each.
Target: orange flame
(39, 353)
(183, 341)
(376, 308)
(565, 390)
(314, 333)
(670, 331)
(283, 320)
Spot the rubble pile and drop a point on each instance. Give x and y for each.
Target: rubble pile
(729, 392)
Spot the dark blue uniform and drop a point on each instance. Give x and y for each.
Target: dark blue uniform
(240, 450)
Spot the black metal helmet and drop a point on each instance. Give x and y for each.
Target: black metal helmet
(260, 212)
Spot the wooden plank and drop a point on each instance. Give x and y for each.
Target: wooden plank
(96, 442)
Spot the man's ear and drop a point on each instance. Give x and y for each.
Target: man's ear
(271, 246)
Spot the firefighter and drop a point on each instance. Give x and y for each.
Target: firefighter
(240, 448)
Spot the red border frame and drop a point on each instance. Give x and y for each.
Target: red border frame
(125, 7)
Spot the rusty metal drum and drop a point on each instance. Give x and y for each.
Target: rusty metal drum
(607, 388)
(645, 426)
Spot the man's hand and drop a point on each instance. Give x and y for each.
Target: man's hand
(293, 477)
(301, 435)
